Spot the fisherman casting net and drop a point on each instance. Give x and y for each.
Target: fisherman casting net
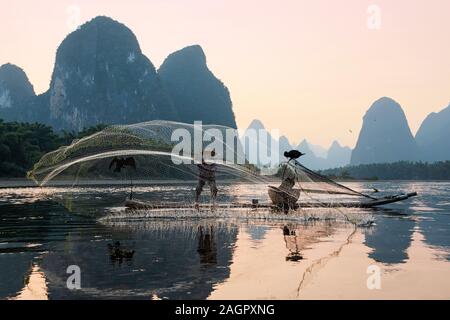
(162, 164)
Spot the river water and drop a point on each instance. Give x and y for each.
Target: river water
(44, 231)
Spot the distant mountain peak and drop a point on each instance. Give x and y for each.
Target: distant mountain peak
(385, 135)
(101, 18)
(9, 67)
(196, 92)
(304, 141)
(101, 76)
(338, 156)
(256, 124)
(284, 145)
(104, 21)
(16, 93)
(99, 32)
(304, 145)
(432, 136)
(335, 144)
(191, 54)
(384, 105)
(385, 99)
(284, 138)
(11, 74)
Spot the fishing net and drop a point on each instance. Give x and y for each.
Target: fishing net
(168, 165)
(153, 146)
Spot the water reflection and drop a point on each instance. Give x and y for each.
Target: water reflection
(257, 232)
(290, 238)
(207, 248)
(390, 239)
(35, 285)
(431, 208)
(169, 261)
(298, 237)
(118, 253)
(27, 232)
(436, 231)
(14, 269)
(195, 259)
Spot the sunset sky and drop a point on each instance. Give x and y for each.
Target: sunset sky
(309, 68)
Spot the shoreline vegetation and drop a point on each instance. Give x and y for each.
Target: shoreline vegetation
(6, 183)
(401, 170)
(23, 144)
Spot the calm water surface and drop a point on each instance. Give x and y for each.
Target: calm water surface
(43, 231)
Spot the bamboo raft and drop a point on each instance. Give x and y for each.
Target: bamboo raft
(142, 205)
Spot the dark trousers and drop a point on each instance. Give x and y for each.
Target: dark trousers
(201, 183)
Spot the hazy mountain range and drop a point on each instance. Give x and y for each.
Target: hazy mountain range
(385, 137)
(316, 157)
(101, 76)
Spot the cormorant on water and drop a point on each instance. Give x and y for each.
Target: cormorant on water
(118, 252)
(293, 154)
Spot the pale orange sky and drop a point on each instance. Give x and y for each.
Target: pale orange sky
(309, 68)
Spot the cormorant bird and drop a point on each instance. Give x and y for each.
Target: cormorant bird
(293, 154)
(118, 252)
(121, 163)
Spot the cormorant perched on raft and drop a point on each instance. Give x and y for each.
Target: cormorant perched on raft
(122, 163)
(293, 154)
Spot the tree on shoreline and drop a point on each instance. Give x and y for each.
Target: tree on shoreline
(23, 144)
(401, 170)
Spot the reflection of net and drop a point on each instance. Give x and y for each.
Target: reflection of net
(299, 237)
(87, 161)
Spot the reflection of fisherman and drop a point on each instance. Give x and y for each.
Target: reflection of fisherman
(207, 246)
(290, 238)
(206, 174)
